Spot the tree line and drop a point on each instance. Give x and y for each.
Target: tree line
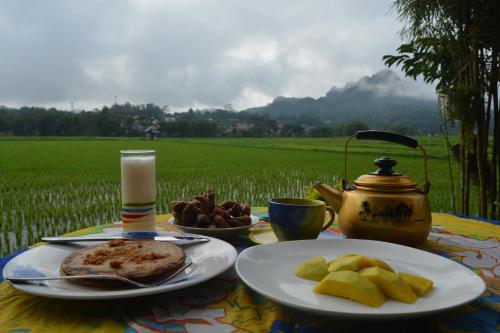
(127, 120)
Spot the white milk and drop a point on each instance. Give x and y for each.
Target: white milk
(138, 179)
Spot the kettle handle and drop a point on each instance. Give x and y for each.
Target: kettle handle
(389, 137)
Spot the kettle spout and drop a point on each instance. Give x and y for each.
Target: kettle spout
(332, 195)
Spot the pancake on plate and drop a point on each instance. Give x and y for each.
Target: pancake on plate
(141, 261)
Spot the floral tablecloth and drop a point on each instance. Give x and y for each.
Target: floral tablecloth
(225, 304)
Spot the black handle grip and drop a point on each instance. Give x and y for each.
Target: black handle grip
(387, 136)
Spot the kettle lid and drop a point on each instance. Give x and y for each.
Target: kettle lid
(384, 178)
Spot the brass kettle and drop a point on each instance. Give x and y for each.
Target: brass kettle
(382, 205)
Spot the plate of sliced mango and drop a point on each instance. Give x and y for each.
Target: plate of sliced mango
(357, 278)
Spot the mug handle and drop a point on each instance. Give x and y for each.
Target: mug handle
(332, 218)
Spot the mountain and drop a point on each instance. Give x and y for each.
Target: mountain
(378, 100)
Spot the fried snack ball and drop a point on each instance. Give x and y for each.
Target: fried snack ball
(236, 210)
(177, 208)
(203, 220)
(218, 210)
(207, 201)
(245, 210)
(240, 221)
(190, 213)
(209, 196)
(228, 204)
(244, 220)
(220, 222)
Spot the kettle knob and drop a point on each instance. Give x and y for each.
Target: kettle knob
(385, 165)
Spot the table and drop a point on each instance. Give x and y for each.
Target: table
(225, 304)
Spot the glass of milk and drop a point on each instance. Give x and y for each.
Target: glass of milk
(138, 179)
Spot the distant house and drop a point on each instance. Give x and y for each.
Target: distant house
(241, 126)
(153, 131)
(307, 128)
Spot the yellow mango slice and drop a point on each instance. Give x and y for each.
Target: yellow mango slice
(346, 263)
(418, 284)
(351, 285)
(314, 268)
(390, 283)
(342, 256)
(372, 262)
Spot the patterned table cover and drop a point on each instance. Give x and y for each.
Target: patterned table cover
(225, 304)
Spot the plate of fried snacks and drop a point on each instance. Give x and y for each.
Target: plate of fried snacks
(143, 261)
(203, 216)
(357, 278)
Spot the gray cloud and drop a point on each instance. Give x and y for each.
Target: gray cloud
(188, 53)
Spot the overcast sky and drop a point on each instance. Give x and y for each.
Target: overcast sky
(189, 53)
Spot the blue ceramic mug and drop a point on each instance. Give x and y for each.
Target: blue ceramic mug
(293, 219)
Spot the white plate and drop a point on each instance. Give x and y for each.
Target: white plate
(209, 259)
(268, 269)
(216, 232)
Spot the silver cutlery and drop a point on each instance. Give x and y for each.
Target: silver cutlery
(101, 277)
(180, 240)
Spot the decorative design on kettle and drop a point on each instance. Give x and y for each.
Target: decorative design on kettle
(365, 210)
(399, 213)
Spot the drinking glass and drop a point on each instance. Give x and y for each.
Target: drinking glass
(138, 185)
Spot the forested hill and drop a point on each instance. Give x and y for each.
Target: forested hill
(382, 101)
(377, 100)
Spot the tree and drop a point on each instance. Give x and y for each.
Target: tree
(456, 44)
(399, 128)
(355, 126)
(292, 130)
(322, 131)
(262, 125)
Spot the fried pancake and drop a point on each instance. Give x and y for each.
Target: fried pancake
(141, 261)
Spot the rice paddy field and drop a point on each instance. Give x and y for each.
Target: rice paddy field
(52, 186)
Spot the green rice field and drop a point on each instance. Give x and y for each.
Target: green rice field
(53, 186)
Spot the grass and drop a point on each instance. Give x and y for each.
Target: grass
(53, 186)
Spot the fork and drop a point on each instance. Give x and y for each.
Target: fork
(101, 277)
